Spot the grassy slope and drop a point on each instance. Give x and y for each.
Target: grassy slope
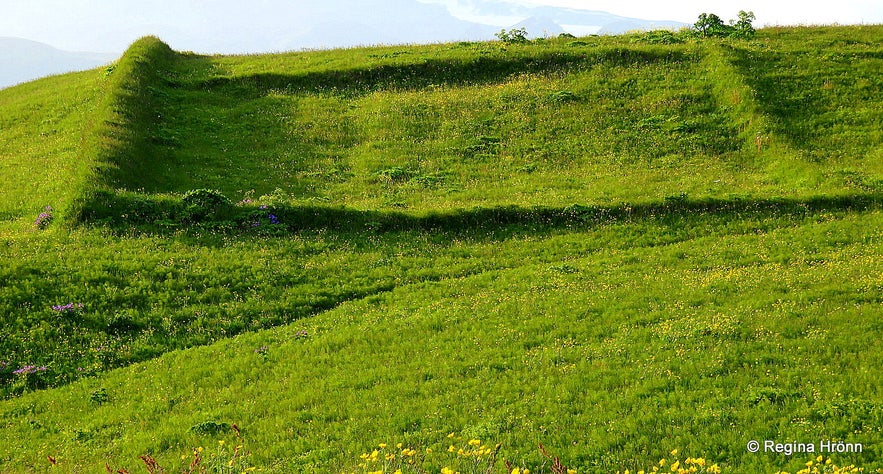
(43, 123)
(610, 356)
(593, 122)
(737, 292)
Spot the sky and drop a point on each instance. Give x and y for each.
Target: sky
(768, 12)
(110, 25)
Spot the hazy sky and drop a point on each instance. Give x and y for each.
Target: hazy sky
(768, 12)
(110, 25)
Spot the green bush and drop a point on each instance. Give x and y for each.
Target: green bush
(710, 25)
(661, 37)
(200, 204)
(515, 35)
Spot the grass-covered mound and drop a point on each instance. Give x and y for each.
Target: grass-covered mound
(611, 247)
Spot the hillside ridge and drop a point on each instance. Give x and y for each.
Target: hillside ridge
(142, 140)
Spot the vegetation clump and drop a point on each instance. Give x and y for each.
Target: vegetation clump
(201, 204)
(513, 36)
(708, 25)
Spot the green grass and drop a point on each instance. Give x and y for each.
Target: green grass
(612, 248)
(611, 354)
(43, 124)
(553, 124)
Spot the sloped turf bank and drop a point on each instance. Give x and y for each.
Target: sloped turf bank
(76, 304)
(42, 125)
(611, 360)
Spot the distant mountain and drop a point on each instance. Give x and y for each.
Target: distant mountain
(234, 27)
(540, 26)
(23, 60)
(548, 21)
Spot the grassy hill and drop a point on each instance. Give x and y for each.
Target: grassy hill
(611, 247)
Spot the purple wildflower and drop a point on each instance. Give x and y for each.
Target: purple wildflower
(263, 352)
(262, 206)
(29, 369)
(273, 219)
(44, 219)
(68, 308)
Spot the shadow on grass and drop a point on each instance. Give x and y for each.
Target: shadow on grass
(174, 120)
(144, 215)
(437, 72)
(9, 215)
(800, 91)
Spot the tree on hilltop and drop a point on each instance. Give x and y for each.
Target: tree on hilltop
(711, 26)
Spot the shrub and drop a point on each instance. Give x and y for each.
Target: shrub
(204, 203)
(660, 37)
(742, 28)
(515, 35)
(710, 25)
